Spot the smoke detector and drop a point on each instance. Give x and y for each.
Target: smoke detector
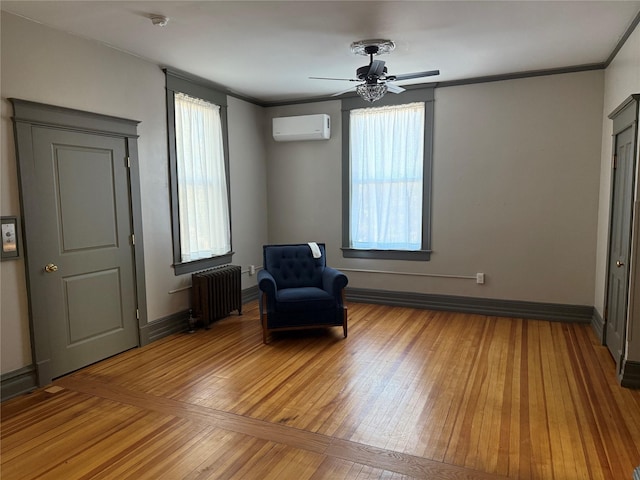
(159, 20)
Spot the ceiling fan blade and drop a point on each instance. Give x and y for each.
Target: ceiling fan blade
(376, 68)
(407, 76)
(342, 79)
(395, 88)
(343, 91)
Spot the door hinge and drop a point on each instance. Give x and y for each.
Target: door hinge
(615, 161)
(133, 239)
(128, 162)
(137, 314)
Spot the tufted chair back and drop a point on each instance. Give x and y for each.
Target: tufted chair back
(294, 266)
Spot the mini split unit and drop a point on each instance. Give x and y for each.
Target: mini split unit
(304, 127)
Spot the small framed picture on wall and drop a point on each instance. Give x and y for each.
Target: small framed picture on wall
(10, 238)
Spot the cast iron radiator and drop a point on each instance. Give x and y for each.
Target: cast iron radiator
(215, 293)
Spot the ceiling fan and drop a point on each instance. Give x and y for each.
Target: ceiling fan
(374, 78)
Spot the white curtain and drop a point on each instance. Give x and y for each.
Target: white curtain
(202, 183)
(386, 162)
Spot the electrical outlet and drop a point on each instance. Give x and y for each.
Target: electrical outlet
(252, 269)
(479, 278)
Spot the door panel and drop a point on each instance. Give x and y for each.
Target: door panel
(92, 305)
(83, 228)
(620, 243)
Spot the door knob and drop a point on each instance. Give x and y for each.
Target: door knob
(50, 268)
(619, 264)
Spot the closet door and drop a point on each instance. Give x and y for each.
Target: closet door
(622, 202)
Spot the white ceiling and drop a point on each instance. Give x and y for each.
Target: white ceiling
(266, 50)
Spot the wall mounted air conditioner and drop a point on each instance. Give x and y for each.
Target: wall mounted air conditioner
(304, 127)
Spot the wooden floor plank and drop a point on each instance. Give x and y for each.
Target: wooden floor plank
(179, 451)
(409, 394)
(224, 420)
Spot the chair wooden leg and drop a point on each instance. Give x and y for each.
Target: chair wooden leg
(344, 316)
(344, 325)
(265, 333)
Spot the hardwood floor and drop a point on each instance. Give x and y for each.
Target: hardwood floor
(409, 394)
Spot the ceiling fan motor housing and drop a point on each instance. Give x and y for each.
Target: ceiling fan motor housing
(362, 73)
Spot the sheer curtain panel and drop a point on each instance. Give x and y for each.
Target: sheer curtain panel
(202, 183)
(386, 175)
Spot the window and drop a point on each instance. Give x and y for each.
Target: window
(387, 177)
(198, 158)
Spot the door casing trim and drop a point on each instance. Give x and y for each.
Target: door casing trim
(28, 114)
(623, 118)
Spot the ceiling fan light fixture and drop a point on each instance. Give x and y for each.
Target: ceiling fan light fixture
(371, 91)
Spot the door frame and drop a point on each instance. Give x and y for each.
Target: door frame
(26, 115)
(624, 116)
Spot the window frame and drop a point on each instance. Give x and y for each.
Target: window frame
(180, 83)
(425, 95)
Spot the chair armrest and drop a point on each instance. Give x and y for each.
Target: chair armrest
(266, 283)
(333, 281)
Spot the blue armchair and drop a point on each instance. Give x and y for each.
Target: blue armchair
(299, 291)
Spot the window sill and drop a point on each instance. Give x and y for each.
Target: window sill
(415, 255)
(202, 264)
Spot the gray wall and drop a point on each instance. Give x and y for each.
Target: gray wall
(303, 181)
(248, 185)
(48, 66)
(516, 170)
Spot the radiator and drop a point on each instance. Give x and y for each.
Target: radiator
(215, 293)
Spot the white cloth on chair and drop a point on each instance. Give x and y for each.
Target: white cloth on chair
(315, 249)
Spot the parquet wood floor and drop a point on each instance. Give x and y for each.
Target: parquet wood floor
(409, 394)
